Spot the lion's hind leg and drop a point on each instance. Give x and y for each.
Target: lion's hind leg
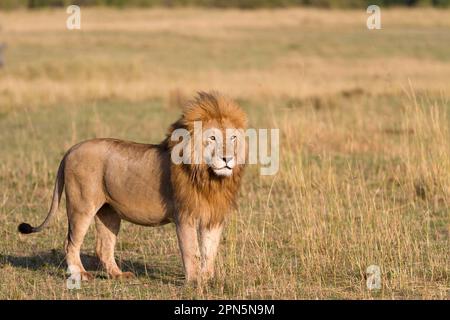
(79, 222)
(107, 223)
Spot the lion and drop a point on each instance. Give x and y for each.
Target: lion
(109, 180)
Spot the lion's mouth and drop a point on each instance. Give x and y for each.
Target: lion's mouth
(225, 171)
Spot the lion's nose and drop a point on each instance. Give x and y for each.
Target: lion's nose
(227, 159)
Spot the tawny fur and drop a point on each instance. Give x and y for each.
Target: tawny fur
(111, 180)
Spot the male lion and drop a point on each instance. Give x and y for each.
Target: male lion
(109, 180)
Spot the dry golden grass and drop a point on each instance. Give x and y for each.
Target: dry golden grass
(250, 54)
(365, 145)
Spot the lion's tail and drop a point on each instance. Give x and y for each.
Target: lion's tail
(26, 228)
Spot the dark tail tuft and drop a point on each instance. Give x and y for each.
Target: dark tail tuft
(25, 228)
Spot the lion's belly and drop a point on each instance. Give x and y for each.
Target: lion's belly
(149, 215)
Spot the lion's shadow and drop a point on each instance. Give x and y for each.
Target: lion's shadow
(54, 263)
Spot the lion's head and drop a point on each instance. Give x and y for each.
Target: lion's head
(211, 177)
(212, 126)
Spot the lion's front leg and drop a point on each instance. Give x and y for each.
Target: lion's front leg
(188, 242)
(209, 244)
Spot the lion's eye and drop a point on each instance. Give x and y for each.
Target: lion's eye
(233, 138)
(212, 138)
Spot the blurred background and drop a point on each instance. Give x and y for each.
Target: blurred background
(246, 4)
(364, 127)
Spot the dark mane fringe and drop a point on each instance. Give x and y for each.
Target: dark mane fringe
(199, 193)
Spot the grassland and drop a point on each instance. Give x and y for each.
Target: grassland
(365, 146)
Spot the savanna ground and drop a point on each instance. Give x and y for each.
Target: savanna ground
(364, 176)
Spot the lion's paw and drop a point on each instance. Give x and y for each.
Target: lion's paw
(87, 276)
(124, 275)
